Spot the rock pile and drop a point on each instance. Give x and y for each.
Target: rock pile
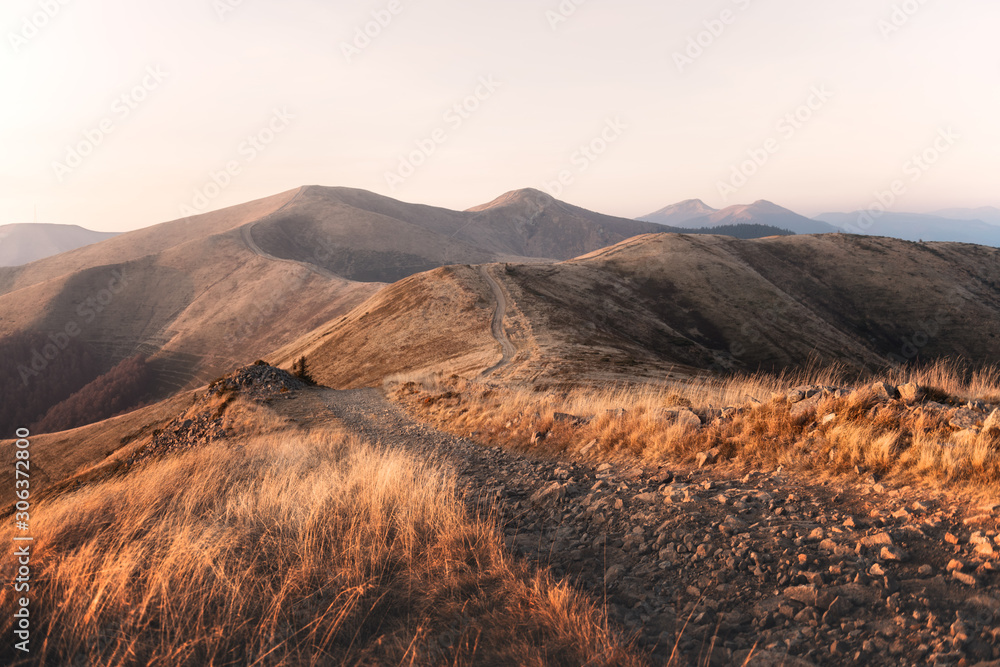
(259, 382)
(205, 422)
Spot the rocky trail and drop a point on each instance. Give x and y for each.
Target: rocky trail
(497, 324)
(704, 565)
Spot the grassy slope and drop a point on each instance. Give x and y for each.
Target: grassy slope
(440, 319)
(288, 548)
(906, 443)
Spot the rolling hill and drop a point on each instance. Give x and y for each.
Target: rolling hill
(689, 303)
(24, 243)
(202, 295)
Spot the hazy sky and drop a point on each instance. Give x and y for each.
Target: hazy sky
(665, 118)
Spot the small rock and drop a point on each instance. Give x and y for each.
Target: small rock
(894, 553)
(553, 492)
(991, 425)
(573, 420)
(883, 391)
(681, 417)
(959, 631)
(799, 394)
(985, 549)
(878, 539)
(705, 459)
(613, 574)
(731, 525)
(804, 594)
(814, 578)
(538, 436)
(965, 578)
(911, 392)
(807, 615)
(806, 407)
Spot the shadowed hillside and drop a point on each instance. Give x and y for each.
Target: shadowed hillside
(665, 301)
(364, 236)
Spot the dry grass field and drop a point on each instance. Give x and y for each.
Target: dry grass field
(747, 418)
(290, 548)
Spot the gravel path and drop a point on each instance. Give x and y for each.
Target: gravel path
(707, 564)
(497, 326)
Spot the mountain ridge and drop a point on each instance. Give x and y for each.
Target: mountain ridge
(28, 242)
(694, 213)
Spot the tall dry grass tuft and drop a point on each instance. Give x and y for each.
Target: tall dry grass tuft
(290, 549)
(745, 418)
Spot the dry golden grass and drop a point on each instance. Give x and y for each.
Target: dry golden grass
(629, 422)
(290, 548)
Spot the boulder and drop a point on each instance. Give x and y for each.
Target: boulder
(707, 458)
(798, 394)
(572, 420)
(883, 391)
(911, 392)
(963, 419)
(806, 406)
(805, 594)
(991, 425)
(681, 417)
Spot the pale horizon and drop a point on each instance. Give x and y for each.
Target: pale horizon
(872, 87)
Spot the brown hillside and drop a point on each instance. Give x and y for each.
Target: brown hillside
(691, 303)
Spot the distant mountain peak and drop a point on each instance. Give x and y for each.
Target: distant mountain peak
(679, 213)
(691, 203)
(516, 197)
(762, 206)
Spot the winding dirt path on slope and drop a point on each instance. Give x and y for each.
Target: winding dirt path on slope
(749, 558)
(499, 333)
(246, 231)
